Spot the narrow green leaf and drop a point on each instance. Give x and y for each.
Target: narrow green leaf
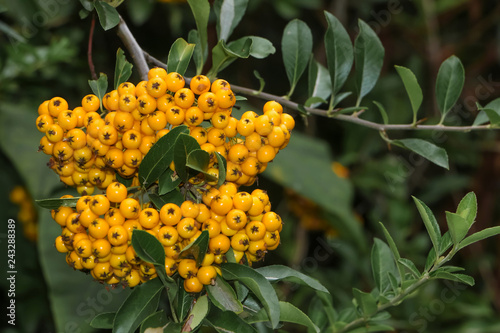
(229, 14)
(412, 88)
(222, 165)
(156, 320)
(258, 284)
(275, 273)
(314, 100)
(173, 196)
(430, 151)
(393, 281)
(478, 236)
(179, 56)
(183, 302)
(368, 58)
(123, 68)
(467, 208)
(382, 111)
(223, 296)
(440, 274)
(142, 301)
(197, 314)
(103, 320)
(319, 83)
(341, 96)
(457, 226)
(108, 16)
(296, 47)
(159, 157)
(167, 182)
(339, 52)
(57, 202)
(394, 250)
(382, 261)
(201, 13)
(430, 224)
(148, 248)
(411, 267)
(228, 322)
(99, 86)
(366, 302)
(197, 248)
(493, 116)
(449, 84)
(262, 82)
(199, 60)
(184, 145)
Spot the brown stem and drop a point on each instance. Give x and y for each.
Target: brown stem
(89, 49)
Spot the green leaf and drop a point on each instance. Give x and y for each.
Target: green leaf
(99, 86)
(341, 96)
(229, 14)
(368, 58)
(223, 296)
(339, 52)
(108, 16)
(462, 278)
(382, 111)
(103, 320)
(159, 157)
(288, 314)
(457, 226)
(382, 262)
(430, 151)
(394, 250)
(223, 55)
(366, 302)
(478, 236)
(262, 82)
(199, 60)
(147, 247)
(412, 88)
(168, 181)
(319, 83)
(261, 47)
(222, 165)
(482, 117)
(275, 273)
(467, 208)
(258, 284)
(138, 306)
(199, 160)
(184, 145)
(197, 248)
(228, 322)
(56, 203)
(140, 10)
(184, 302)
(430, 224)
(156, 320)
(493, 116)
(123, 68)
(173, 196)
(314, 100)
(411, 267)
(449, 84)
(197, 314)
(296, 47)
(179, 56)
(201, 12)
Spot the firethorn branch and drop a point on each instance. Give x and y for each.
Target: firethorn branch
(140, 56)
(89, 49)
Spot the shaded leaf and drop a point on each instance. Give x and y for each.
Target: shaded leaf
(412, 88)
(99, 86)
(223, 296)
(228, 322)
(411, 267)
(430, 151)
(108, 16)
(382, 111)
(103, 320)
(173, 196)
(366, 302)
(319, 83)
(147, 247)
(197, 314)
(179, 56)
(123, 68)
(168, 181)
(184, 145)
(223, 55)
(430, 224)
(197, 248)
(440, 274)
(57, 202)
(482, 117)
(382, 262)
(222, 166)
(457, 226)
(155, 320)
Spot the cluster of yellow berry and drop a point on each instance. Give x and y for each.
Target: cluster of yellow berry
(88, 150)
(27, 213)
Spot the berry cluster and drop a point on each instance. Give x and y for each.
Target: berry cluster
(27, 213)
(88, 148)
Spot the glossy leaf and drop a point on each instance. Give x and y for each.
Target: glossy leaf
(168, 181)
(198, 58)
(366, 302)
(296, 47)
(478, 236)
(179, 56)
(147, 247)
(339, 52)
(198, 160)
(103, 320)
(201, 12)
(261, 47)
(319, 83)
(159, 157)
(197, 314)
(223, 55)
(223, 296)
(173, 196)
(368, 59)
(222, 165)
(275, 273)
(99, 86)
(467, 208)
(229, 14)
(382, 262)
(493, 116)
(258, 284)
(108, 16)
(123, 68)
(449, 83)
(184, 145)
(412, 88)
(183, 302)
(57, 202)
(138, 306)
(482, 117)
(430, 224)
(197, 248)
(228, 322)
(430, 151)
(156, 320)
(457, 226)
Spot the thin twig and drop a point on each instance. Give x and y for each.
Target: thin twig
(89, 49)
(134, 49)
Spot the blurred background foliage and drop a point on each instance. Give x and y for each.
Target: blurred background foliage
(332, 185)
